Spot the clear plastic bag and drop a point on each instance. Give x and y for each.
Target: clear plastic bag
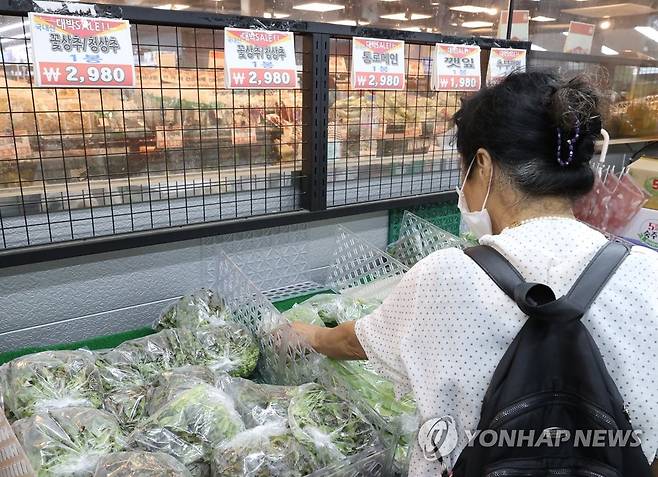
(258, 404)
(263, 451)
(230, 348)
(68, 441)
(140, 464)
(329, 427)
(127, 405)
(189, 426)
(174, 381)
(137, 362)
(50, 380)
(330, 309)
(200, 309)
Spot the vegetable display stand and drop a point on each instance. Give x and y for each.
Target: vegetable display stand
(13, 461)
(418, 238)
(359, 276)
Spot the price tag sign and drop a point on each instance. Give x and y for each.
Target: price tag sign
(377, 64)
(503, 61)
(579, 38)
(456, 68)
(82, 52)
(520, 24)
(259, 59)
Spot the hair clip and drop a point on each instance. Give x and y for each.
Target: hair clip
(571, 142)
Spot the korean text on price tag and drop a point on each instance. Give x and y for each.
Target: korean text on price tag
(82, 52)
(503, 61)
(259, 59)
(377, 64)
(456, 68)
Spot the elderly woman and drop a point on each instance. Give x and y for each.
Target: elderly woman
(526, 145)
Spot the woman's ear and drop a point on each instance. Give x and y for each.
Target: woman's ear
(484, 164)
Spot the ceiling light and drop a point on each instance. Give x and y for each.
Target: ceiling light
(319, 7)
(350, 23)
(565, 33)
(608, 51)
(605, 24)
(477, 24)
(615, 10)
(402, 17)
(275, 15)
(172, 6)
(649, 32)
(542, 18)
(454, 24)
(536, 47)
(474, 9)
(413, 28)
(435, 3)
(389, 0)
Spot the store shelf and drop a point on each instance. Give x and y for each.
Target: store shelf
(628, 140)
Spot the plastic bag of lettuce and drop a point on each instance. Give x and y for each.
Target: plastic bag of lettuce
(200, 309)
(68, 442)
(140, 464)
(50, 380)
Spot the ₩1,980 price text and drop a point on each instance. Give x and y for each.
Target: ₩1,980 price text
(461, 83)
(261, 78)
(72, 74)
(364, 80)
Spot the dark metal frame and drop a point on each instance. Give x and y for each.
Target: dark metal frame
(315, 123)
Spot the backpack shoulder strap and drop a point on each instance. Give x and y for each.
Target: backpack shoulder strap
(597, 273)
(497, 267)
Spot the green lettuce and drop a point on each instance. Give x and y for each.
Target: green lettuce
(200, 309)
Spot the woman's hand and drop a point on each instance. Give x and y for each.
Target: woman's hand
(307, 333)
(340, 342)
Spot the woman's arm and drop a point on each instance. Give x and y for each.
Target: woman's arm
(340, 342)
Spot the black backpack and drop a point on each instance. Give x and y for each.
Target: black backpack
(552, 385)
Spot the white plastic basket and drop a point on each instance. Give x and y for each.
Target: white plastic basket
(13, 461)
(419, 238)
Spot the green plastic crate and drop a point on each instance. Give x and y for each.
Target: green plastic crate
(445, 215)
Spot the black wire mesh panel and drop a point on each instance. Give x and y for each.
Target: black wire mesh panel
(177, 149)
(386, 144)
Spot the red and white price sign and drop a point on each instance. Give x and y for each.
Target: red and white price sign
(503, 61)
(579, 38)
(82, 52)
(456, 68)
(259, 59)
(377, 64)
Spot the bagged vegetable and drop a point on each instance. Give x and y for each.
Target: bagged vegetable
(200, 309)
(140, 464)
(331, 309)
(50, 380)
(68, 441)
(269, 450)
(189, 426)
(258, 404)
(230, 348)
(127, 405)
(137, 362)
(329, 427)
(174, 381)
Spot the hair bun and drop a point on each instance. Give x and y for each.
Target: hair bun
(574, 111)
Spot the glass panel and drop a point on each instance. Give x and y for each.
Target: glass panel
(175, 150)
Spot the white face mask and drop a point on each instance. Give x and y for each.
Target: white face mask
(479, 222)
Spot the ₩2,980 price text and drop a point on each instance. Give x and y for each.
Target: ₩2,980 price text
(379, 80)
(261, 78)
(72, 74)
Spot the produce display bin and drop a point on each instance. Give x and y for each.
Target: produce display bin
(13, 461)
(418, 238)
